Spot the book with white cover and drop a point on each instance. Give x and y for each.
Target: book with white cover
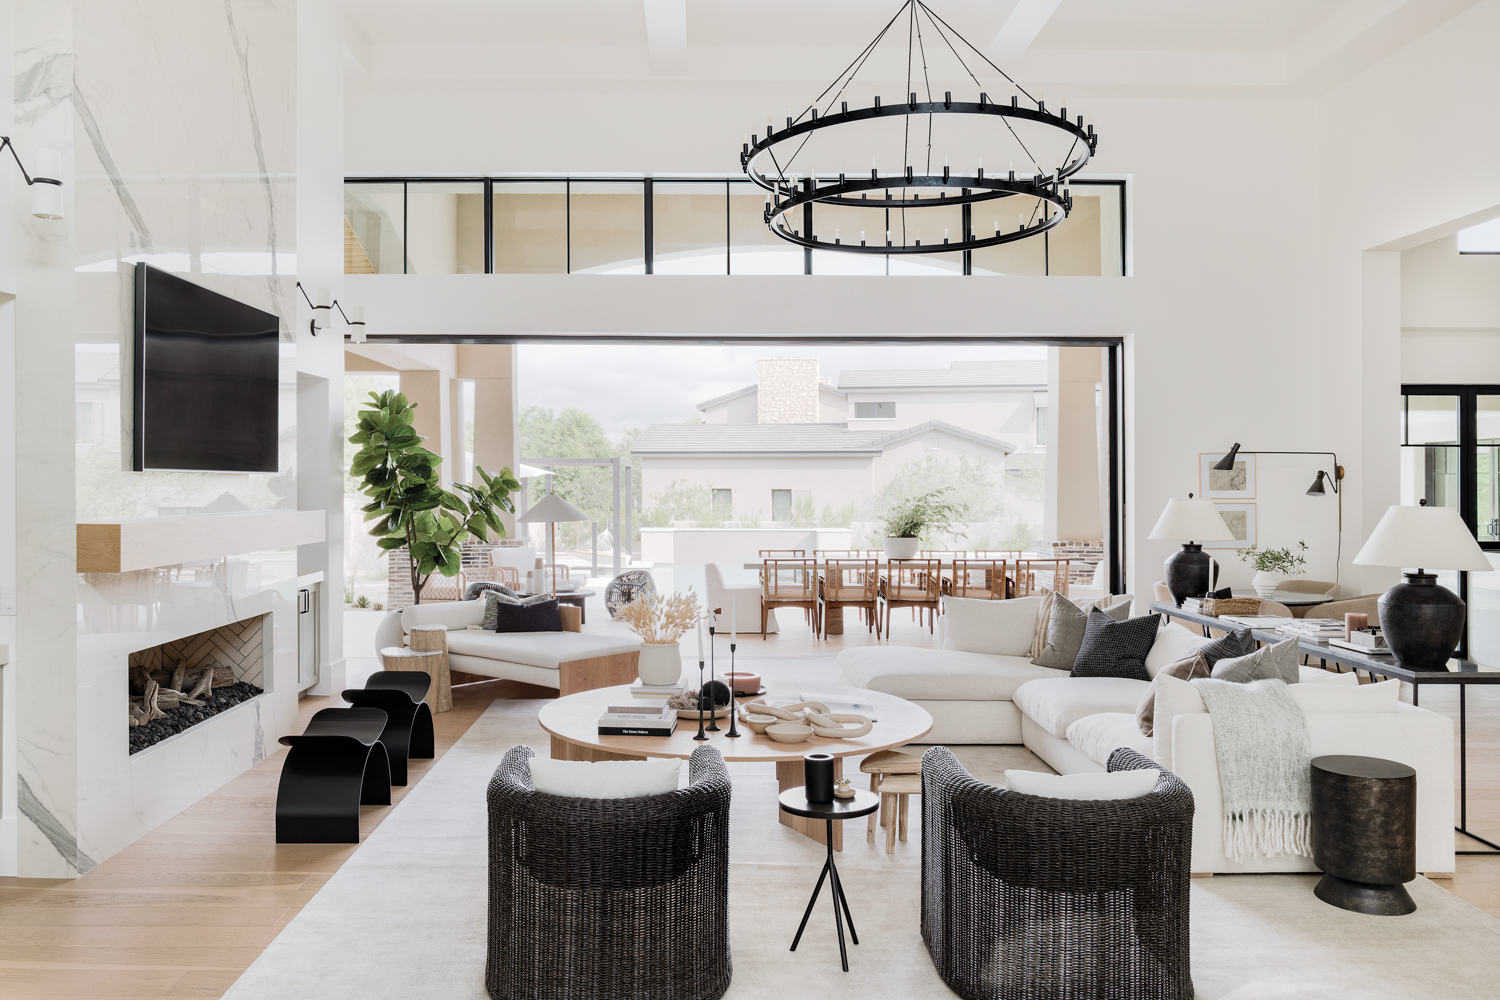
(641, 719)
(659, 692)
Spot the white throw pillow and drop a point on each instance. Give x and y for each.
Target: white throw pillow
(1380, 697)
(1114, 785)
(1001, 628)
(1317, 675)
(1173, 643)
(604, 779)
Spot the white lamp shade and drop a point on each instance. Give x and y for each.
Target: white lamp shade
(47, 199)
(1187, 520)
(1424, 538)
(552, 508)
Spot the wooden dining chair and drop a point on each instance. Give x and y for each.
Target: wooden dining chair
(783, 553)
(849, 583)
(1025, 577)
(978, 579)
(911, 583)
(789, 583)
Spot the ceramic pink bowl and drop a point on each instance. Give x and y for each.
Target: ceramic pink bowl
(743, 681)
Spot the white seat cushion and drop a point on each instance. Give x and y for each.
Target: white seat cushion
(605, 779)
(1001, 628)
(539, 649)
(1097, 736)
(939, 674)
(1055, 704)
(1096, 787)
(1317, 675)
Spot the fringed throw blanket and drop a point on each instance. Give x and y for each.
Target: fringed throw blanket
(1265, 767)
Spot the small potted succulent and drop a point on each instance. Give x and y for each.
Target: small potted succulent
(660, 622)
(927, 513)
(1273, 565)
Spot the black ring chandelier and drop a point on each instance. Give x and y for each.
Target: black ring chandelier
(769, 161)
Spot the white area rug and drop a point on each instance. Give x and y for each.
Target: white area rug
(405, 916)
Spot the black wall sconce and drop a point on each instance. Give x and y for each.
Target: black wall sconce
(47, 200)
(323, 314)
(1226, 464)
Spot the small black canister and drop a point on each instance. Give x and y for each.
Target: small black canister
(818, 777)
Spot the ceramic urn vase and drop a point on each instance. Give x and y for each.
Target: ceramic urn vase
(660, 663)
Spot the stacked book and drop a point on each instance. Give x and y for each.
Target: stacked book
(641, 719)
(1193, 604)
(1313, 628)
(655, 692)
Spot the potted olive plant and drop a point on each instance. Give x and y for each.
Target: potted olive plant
(908, 520)
(1273, 565)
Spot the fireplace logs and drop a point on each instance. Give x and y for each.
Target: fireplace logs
(164, 702)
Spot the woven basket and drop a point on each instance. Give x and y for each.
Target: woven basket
(1216, 606)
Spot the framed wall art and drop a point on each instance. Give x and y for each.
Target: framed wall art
(1237, 483)
(1241, 520)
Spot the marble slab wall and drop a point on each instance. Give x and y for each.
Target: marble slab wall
(177, 121)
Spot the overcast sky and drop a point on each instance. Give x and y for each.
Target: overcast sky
(635, 385)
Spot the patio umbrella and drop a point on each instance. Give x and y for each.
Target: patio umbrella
(551, 509)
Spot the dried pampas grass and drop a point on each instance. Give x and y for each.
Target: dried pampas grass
(659, 620)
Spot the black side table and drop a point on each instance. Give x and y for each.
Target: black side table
(1364, 833)
(794, 801)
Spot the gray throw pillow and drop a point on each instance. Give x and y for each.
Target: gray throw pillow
(1116, 649)
(1237, 643)
(1065, 631)
(504, 595)
(1278, 661)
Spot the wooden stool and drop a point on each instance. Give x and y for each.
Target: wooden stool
(432, 662)
(877, 766)
(896, 791)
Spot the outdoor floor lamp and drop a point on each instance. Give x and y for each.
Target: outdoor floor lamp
(551, 509)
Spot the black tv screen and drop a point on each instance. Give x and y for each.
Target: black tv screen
(206, 369)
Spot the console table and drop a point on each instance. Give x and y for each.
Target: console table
(1460, 674)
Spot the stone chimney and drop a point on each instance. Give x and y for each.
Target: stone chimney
(786, 391)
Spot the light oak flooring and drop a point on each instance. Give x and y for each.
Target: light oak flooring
(184, 910)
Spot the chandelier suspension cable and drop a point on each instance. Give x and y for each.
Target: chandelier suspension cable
(981, 55)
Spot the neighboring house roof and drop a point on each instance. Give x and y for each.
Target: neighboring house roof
(794, 440)
(747, 390)
(960, 375)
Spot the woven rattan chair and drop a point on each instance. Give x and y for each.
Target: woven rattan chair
(789, 583)
(849, 583)
(507, 576)
(911, 583)
(1029, 898)
(609, 898)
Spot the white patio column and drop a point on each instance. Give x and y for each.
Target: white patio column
(497, 439)
(1072, 511)
(431, 392)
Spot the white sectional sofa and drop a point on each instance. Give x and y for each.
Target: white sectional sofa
(1073, 723)
(594, 656)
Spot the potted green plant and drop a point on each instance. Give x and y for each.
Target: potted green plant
(907, 520)
(1273, 565)
(660, 623)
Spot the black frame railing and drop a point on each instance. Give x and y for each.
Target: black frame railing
(491, 184)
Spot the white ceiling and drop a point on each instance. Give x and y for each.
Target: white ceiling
(1169, 47)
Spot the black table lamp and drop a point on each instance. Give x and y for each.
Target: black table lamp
(1190, 522)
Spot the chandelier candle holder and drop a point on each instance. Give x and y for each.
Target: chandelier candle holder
(1019, 128)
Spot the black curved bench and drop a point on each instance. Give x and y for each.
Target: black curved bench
(337, 765)
(408, 724)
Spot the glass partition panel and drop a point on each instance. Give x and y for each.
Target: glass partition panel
(1487, 467)
(445, 227)
(607, 227)
(1028, 256)
(752, 247)
(690, 226)
(1430, 420)
(1074, 247)
(531, 227)
(374, 228)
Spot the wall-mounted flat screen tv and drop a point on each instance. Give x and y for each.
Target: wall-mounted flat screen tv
(206, 369)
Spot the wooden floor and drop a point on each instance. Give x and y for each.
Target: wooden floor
(184, 910)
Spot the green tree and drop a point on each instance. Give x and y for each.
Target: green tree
(407, 500)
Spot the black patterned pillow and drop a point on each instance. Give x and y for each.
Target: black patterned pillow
(1239, 643)
(1116, 649)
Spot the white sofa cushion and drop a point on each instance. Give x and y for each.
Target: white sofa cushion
(451, 614)
(1095, 787)
(1317, 675)
(1002, 628)
(1379, 697)
(604, 779)
(939, 674)
(1057, 703)
(1173, 642)
(1097, 736)
(539, 649)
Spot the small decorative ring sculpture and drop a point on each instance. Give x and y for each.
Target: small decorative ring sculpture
(832, 726)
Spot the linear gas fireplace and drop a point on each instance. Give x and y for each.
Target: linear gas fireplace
(186, 682)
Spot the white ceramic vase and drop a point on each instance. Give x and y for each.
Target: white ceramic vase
(1265, 584)
(902, 548)
(660, 663)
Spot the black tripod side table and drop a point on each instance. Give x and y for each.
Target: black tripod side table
(794, 801)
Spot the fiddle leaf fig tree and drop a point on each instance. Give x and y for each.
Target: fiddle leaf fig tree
(407, 501)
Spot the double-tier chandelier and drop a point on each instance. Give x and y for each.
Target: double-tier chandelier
(803, 165)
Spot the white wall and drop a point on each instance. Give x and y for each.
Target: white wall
(1450, 314)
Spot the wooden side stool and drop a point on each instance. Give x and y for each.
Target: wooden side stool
(877, 766)
(896, 791)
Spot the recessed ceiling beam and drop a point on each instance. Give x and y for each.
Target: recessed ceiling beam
(1026, 21)
(666, 36)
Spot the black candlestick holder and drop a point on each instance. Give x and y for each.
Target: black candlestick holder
(734, 731)
(713, 705)
(701, 735)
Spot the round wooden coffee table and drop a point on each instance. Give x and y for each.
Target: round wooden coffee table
(573, 723)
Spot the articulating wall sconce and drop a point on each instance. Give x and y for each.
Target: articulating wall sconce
(47, 200)
(1334, 478)
(323, 314)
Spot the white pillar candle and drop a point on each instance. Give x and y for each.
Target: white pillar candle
(733, 619)
(700, 641)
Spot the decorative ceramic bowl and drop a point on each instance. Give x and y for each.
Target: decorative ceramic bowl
(787, 732)
(691, 714)
(758, 723)
(743, 681)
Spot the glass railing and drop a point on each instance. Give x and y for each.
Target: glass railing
(561, 225)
